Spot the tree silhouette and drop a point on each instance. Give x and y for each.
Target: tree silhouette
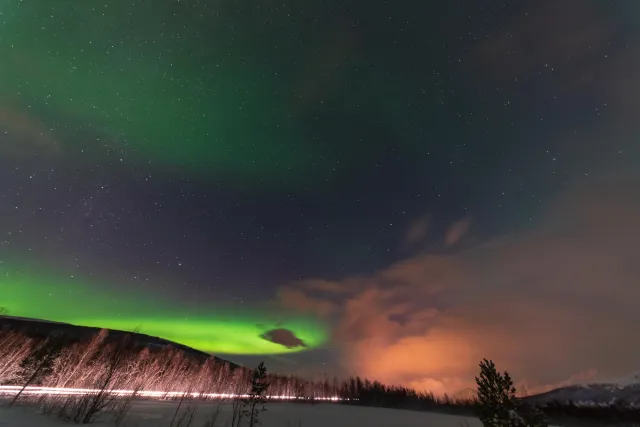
(496, 396)
(254, 405)
(497, 403)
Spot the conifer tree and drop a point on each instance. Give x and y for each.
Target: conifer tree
(496, 395)
(497, 403)
(254, 406)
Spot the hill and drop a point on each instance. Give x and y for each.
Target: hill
(37, 328)
(621, 391)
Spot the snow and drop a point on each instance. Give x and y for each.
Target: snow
(26, 417)
(150, 413)
(626, 381)
(320, 415)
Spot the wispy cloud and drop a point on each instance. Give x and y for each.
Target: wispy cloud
(457, 231)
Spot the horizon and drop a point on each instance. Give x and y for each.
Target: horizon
(462, 394)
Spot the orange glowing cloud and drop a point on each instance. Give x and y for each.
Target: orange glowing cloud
(547, 303)
(554, 301)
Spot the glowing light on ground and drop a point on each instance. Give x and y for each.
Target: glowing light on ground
(61, 391)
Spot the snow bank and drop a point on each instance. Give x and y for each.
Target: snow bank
(159, 414)
(155, 414)
(26, 417)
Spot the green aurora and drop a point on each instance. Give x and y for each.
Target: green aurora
(217, 91)
(224, 331)
(84, 62)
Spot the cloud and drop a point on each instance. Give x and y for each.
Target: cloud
(301, 301)
(456, 232)
(554, 303)
(546, 303)
(284, 337)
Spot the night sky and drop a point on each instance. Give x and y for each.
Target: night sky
(389, 189)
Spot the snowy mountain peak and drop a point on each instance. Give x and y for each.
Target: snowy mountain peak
(625, 381)
(625, 389)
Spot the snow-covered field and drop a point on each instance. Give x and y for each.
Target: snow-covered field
(160, 413)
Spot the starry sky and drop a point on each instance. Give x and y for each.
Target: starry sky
(389, 189)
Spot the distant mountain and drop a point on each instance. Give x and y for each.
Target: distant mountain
(621, 390)
(465, 394)
(38, 328)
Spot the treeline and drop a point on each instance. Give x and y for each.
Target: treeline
(58, 361)
(357, 391)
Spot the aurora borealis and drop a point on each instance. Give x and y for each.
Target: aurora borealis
(390, 189)
(217, 330)
(175, 86)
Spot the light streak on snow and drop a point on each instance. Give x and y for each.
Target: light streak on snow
(61, 391)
